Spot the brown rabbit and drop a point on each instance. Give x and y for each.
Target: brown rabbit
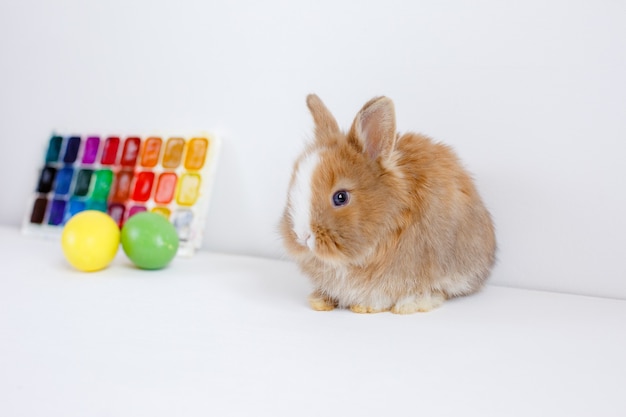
(381, 221)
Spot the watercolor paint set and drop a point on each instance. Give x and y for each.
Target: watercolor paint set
(123, 175)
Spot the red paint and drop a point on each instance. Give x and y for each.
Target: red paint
(143, 186)
(109, 153)
(121, 186)
(131, 152)
(116, 211)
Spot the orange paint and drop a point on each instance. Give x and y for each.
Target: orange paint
(150, 152)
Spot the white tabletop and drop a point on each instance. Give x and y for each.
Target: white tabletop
(221, 335)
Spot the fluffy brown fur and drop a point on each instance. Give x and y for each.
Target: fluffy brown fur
(415, 230)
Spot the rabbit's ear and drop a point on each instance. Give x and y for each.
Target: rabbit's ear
(374, 128)
(325, 123)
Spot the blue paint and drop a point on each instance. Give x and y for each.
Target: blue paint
(71, 150)
(74, 207)
(57, 212)
(64, 181)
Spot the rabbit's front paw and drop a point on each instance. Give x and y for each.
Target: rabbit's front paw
(418, 303)
(320, 302)
(365, 309)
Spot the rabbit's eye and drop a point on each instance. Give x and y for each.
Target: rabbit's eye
(341, 198)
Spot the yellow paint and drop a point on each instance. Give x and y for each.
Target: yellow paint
(196, 153)
(188, 189)
(163, 211)
(173, 152)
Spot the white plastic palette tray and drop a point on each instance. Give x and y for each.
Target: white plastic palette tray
(123, 175)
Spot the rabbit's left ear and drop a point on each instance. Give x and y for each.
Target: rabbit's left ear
(374, 128)
(325, 123)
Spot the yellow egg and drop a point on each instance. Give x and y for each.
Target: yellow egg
(90, 240)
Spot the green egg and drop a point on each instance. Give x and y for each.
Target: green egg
(149, 240)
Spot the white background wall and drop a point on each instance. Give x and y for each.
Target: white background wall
(531, 94)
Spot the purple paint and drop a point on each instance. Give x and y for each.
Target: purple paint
(136, 209)
(57, 212)
(91, 150)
